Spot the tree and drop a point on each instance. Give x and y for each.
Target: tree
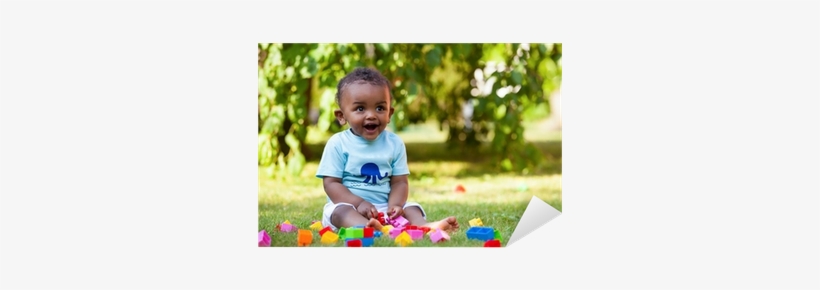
(478, 92)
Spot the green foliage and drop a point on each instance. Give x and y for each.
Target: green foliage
(431, 82)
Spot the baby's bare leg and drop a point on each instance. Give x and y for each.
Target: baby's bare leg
(346, 217)
(413, 214)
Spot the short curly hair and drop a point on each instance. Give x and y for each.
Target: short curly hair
(362, 75)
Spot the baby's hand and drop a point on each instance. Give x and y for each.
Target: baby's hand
(395, 211)
(367, 209)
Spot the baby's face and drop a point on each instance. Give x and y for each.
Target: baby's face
(366, 108)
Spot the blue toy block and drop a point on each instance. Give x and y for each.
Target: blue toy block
(480, 233)
(359, 226)
(377, 234)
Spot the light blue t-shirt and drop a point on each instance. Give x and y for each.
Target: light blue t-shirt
(365, 167)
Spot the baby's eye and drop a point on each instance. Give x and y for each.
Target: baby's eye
(359, 108)
(379, 108)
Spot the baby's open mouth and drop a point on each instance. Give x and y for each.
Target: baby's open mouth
(371, 127)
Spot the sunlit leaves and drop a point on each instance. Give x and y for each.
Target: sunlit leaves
(430, 82)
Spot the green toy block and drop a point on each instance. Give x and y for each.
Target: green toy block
(355, 233)
(497, 235)
(342, 233)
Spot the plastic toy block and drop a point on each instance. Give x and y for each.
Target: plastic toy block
(287, 228)
(386, 229)
(316, 226)
(330, 238)
(264, 239)
(381, 219)
(403, 239)
(305, 238)
(496, 235)
(480, 233)
(287, 222)
(416, 234)
(396, 232)
(358, 227)
(343, 233)
(367, 232)
(425, 229)
(459, 189)
(476, 222)
(323, 231)
(399, 222)
(353, 243)
(367, 242)
(439, 236)
(411, 227)
(355, 233)
(377, 234)
(492, 244)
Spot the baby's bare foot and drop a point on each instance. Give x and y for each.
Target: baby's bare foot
(374, 223)
(448, 224)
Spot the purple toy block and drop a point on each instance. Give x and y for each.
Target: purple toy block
(264, 239)
(395, 232)
(287, 228)
(416, 234)
(439, 236)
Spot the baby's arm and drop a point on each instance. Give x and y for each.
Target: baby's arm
(337, 192)
(399, 190)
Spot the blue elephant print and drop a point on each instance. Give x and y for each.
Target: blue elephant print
(372, 173)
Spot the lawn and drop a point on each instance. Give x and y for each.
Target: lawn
(498, 200)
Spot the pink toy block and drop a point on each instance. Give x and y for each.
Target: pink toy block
(264, 239)
(395, 232)
(399, 222)
(416, 234)
(439, 236)
(287, 228)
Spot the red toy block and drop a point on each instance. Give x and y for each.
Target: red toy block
(492, 244)
(368, 232)
(425, 229)
(354, 243)
(323, 231)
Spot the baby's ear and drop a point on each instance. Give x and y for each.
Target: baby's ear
(340, 117)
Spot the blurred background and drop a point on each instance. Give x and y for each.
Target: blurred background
(496, 102)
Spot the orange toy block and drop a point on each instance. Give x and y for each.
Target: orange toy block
(305, 238)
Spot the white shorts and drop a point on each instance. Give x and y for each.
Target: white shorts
(381, 207)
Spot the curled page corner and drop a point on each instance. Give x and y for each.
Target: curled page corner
(537, 214)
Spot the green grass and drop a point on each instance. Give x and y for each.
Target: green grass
(497, 199)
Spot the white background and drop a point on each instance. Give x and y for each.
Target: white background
(691, 139)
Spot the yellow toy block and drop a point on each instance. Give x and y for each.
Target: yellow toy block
(386, 230)
(330, 238)
(404, 239)
(317, 226)
(286, 222)
(476, 222)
